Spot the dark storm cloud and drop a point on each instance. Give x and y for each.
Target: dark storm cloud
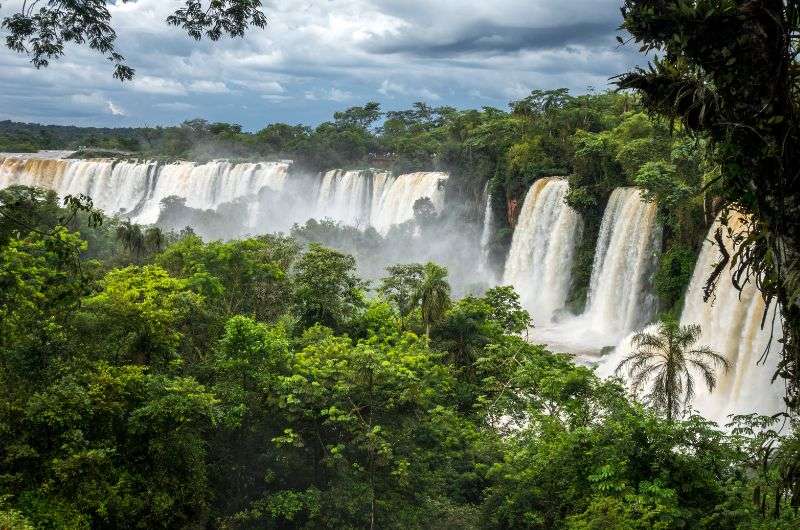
(486, 37)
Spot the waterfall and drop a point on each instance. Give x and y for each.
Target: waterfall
(539, 264)
(137, 188)
(730, 325)
(345, 196)
(381, 182)
(397, 203)
(485, 267)
(620, 296)
(113, 186)
(206, 186)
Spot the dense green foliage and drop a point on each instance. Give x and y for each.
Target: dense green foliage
(260, 383)
(30, 137)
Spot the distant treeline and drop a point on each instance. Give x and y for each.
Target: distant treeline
(18, 137)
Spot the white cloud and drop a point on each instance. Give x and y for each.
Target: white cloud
(332, 94)
(158, 85)
(275, 98)
(209, 87)
(175, 106)
(388, 88)
(115, 110)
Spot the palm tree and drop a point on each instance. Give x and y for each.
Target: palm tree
(131, 237)
(433, 295)
(154, 239)
(667, 359)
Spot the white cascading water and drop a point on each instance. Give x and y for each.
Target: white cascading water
(486, 236)
(113, 187)
(381, 182)
(345, 196)
(136, 189)
(397, 204)
(730, 325)
(539, 264)
(206, 186)
(620, 296)
(139, 187)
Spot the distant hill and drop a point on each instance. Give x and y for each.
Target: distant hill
(29, 137)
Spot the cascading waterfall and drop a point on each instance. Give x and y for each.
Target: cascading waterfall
(137, 188)
(206, 186)
(620, 296)
(397, 204)
(345, 196)
(381, 182)
(486, 234)
(539, 264)
(113, 187)
(730, 325)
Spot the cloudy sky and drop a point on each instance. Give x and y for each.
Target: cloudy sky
(318, 56)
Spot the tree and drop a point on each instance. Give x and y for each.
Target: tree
(122, 445)
(326, 288)
(41, 285)
(140, 316)
(23, 209)
(132, 238)
(244, 368)
(370, 428)
(43, 33)
(400, 287)
(705, 51)
(247, 276)
(154, 239)
(424, 213)
(465, 329)
(541, 102)
(362, 117)
(668, 359)
(507, 309)
(433, 295)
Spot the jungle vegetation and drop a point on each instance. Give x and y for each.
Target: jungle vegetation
(154, 380)
(157, 380)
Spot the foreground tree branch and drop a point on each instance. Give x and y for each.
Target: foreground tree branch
(41, 28)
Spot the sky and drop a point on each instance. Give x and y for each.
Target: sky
(318, 56)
